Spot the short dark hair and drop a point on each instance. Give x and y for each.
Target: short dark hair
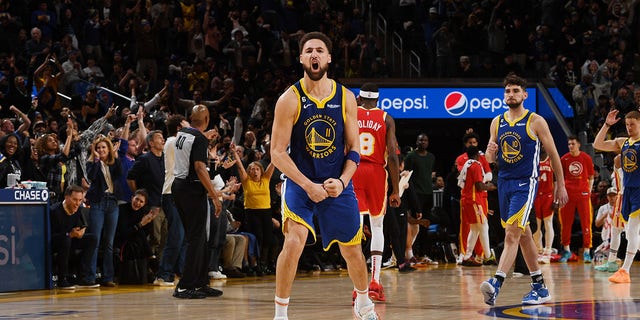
(72, 188)
(316, 35)
(469, 136)
(142, 192)
(172, 124)
(513, 79)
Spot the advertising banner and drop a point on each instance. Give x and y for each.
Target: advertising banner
(446, 103)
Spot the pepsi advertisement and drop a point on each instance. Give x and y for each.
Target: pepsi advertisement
(446, 103)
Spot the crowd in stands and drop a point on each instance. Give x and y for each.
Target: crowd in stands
(78, 77)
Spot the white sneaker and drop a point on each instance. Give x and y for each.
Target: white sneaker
(365, 313)
(427, 260)
(544, 259)
(160, 282)
(217, 275)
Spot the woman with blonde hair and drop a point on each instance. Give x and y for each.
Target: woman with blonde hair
(257, 204)
(103, 170)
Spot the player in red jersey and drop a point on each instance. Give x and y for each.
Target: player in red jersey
(473, 206)
(471, 138)
(578, 179)
(544, 208)
(377, 150)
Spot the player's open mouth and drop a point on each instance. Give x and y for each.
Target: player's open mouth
(315, 66)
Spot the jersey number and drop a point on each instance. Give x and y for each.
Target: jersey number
(367, 141)
(180, 142)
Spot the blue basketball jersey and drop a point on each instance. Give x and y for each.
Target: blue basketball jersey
(630, 151)
(518, 148)
(317, 140)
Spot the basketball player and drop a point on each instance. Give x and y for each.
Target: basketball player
(515, 144)
(316, 120)
(616, 224)
(544, 208)
(377, 146)
(471, 138)
(474, 207)
(629, 149)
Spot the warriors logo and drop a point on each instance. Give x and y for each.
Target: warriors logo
(629, 160)
(320, 135)
(510, 147)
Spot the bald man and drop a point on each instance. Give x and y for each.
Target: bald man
(190, 190)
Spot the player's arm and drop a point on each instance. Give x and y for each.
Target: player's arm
(492, 145)
(352, 147)
(284, 117)
(608, 145)
(541, 129)
(392, 161)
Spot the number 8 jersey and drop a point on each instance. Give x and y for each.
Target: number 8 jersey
(373, 135)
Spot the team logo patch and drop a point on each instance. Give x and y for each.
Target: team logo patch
(575, 168)
(510, 147)
(320, 135)
(629, 160)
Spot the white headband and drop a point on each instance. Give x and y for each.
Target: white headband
(369, 94)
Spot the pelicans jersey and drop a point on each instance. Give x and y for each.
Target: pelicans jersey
(518, 157)
(630, 179)
(317, 148)
(370, 180)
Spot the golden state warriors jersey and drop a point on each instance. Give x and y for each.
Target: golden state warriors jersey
(317, 139)
(518, 148)
(630, 151)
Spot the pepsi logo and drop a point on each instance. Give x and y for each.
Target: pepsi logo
(455, 103)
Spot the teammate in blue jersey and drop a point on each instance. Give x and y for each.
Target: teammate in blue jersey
(316, 121)
(629, 149)
(515, 145)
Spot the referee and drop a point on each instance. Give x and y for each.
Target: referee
(190, 190)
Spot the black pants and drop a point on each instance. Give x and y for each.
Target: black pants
(395, 232)
(64, 245)
(259, 223)
(191, 201)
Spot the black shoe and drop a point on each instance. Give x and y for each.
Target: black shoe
(65, 285)
(233, 273)
(209, 292)
(258, 271)
(188, 294)
(406, 268)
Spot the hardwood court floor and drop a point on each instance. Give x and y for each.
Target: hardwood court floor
(446, 291)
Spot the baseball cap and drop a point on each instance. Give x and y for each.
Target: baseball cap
(612, 190)
(433, 10)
